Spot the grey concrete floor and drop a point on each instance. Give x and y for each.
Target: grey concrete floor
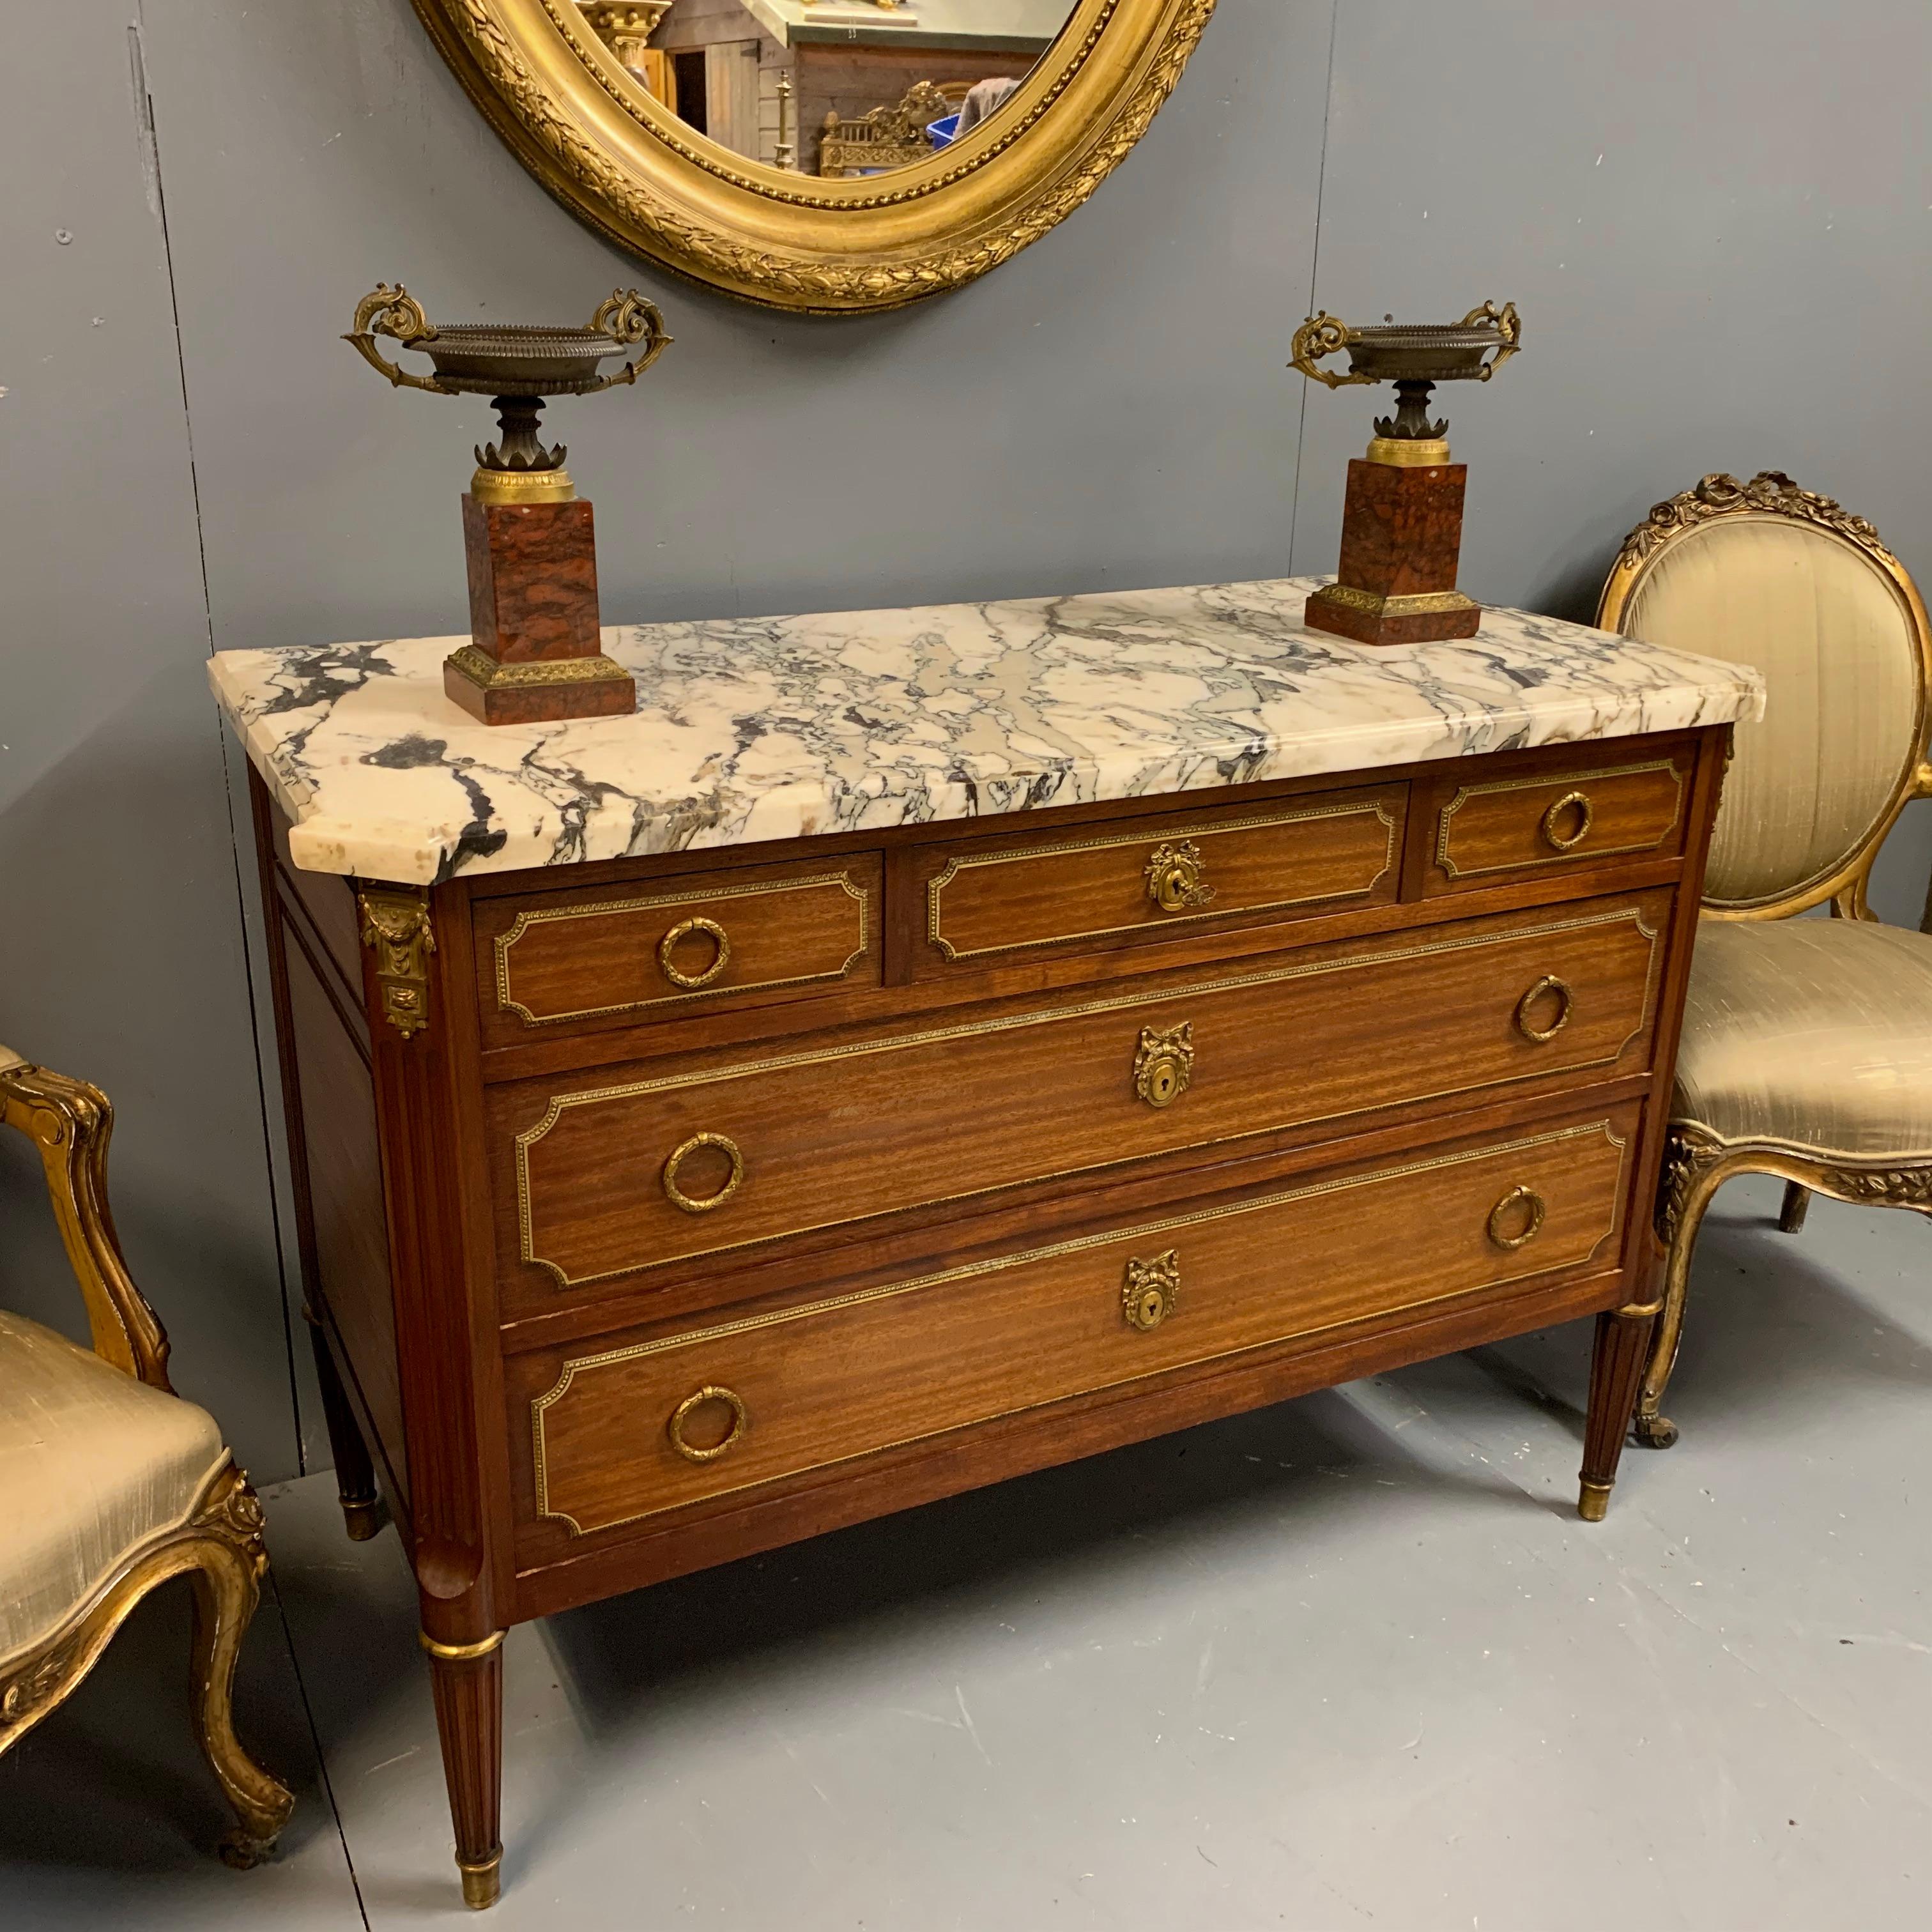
(1351, 1661)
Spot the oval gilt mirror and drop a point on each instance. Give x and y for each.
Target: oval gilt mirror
(825, 155)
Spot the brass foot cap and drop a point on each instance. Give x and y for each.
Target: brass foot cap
(482, 1881)
(1593, 1501)
(362, 1520)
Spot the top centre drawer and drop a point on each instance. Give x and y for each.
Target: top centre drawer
(990, 902)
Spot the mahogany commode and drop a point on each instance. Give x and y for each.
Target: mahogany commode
(1140, 1010)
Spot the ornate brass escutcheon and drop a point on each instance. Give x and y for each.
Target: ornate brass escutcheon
(1164, 1063)
(1531, 1203)
(1559, 990)
(674, 1428)
(1174, 876)
(721, 953)
(1573, 802)
(1151, 1290)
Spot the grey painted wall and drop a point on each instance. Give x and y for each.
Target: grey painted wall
(1739, 284)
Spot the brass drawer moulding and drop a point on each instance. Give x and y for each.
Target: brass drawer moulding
(752, 1069)
(701, 985)
(1174, 856)
(1165, 1278)
(1548, 825)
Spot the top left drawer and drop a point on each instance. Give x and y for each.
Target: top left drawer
(606, 956)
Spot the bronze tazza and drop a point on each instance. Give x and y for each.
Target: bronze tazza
(535, 655)
(1401, 527)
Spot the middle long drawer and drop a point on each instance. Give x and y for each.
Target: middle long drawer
(594, 1182)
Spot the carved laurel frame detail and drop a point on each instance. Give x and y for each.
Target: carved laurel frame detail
(628, 167)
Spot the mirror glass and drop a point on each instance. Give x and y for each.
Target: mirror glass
(838, 88)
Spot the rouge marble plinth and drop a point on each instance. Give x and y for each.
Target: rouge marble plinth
(534, 655)
(1401, 536)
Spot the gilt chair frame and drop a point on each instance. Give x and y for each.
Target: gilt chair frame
(1696, 1163)
(220, 1548)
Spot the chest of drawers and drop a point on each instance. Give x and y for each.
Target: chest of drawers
(660, 1209)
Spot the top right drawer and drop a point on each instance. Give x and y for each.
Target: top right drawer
(1577, 815)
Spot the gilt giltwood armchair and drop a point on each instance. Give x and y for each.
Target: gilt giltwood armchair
(1807, 1047)
(110, 1484)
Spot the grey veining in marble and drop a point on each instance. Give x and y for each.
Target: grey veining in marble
(774, 727)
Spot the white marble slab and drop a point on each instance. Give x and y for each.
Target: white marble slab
(772, 727)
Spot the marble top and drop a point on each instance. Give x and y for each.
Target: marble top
(753, 728)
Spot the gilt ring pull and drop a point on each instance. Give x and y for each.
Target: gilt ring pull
(1566, 999)
(1565, 841)
(721, 955)
(694, 1204)
(674, 1429)
(1532, 1205)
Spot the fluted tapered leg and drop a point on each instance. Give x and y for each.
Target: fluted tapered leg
(1616, 1367)
(468, 1681)
(355, 1472)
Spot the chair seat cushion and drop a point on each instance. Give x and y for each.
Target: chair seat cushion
(93, 1465)
(1814, 1034)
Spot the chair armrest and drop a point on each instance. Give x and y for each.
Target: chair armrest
(70, 1123)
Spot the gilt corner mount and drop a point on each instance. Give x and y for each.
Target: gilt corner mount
(588, 104)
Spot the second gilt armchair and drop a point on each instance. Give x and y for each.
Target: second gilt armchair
(1807, 1047)
(110, 1484)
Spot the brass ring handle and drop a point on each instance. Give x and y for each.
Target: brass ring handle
(720, 956)
(674, 1428)
(1509, 326)
(1517, 1197)
(691, 1205)
(393, 312)
(1561, 841)
(1175, 880)
(1566, 999)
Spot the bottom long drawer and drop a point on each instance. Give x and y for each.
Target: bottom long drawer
(626, 1433)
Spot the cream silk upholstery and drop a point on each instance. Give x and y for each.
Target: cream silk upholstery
(1815, 1033)
(93, 1464)
(1834, 639)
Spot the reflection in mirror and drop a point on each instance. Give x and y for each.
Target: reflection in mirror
(829, 87)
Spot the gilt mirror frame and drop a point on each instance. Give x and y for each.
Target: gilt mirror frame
(627, 167)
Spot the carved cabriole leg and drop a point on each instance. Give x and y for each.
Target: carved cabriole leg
(1791, 1215)
(221, 1548)
(468, 1681)
(1693, 1169)
(355, 1472)
(1615, 1366)
(227, 1587)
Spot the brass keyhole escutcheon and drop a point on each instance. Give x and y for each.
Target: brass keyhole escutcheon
(703, 1204)
(1566, 824)
(721, 953)
(1520, 1204)
(1164, 1063)
(1174, 876)
(1152, 1287)
(692, 1452)
(1548, 986)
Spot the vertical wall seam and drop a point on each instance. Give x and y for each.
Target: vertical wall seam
(1314, 268)
(150, 150)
